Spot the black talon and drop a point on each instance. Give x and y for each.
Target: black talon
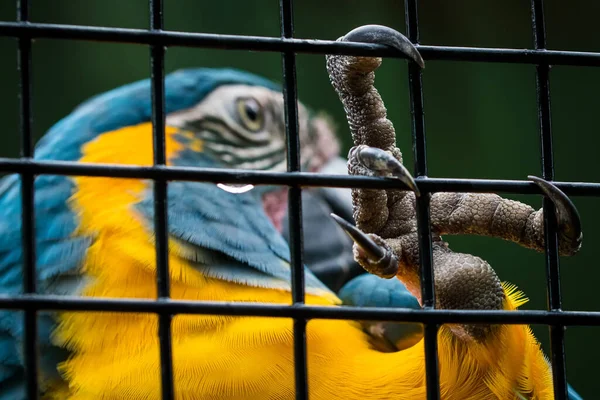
(372, 249)
(383, 163)
(566, 211)
(383, 262)
(380, 34)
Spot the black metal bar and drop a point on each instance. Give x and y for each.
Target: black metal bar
(30, 348)
(157, 65)
(438, 316)
(423, 215)
(557, 333)
(290, 96)
(274, 44)
(304, 179)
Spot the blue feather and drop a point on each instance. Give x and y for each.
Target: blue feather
(232, 232)
(59, 254)
(372, 291)
(11, 370)
(573, 395)
(8, 354)
(58, 251)
(13, 388)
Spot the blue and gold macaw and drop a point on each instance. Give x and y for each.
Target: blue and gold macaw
(94, 237)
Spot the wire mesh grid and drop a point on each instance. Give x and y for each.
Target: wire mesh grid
(157, 39)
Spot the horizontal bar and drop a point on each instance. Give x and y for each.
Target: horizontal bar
(163, 306)
(277, 44)
(305, 179)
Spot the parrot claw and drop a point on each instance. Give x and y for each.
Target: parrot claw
(380, 34)
(375, 258)
(567, 216)
(382, 163)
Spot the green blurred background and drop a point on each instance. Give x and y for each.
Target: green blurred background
(481, 118)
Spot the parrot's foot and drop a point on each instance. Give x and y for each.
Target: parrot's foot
(568, 221)
(370, 251)
(380, 34)
(387, 242)
(372, 161)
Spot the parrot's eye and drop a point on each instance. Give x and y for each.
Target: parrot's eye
(251, 114)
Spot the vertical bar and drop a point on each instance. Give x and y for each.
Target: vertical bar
(30, 348)
(423, 215)
(290, 96)
(157, 65)
(557, 333)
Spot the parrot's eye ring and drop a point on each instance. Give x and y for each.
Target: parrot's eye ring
(251, 114)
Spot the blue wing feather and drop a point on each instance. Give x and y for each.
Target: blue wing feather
(228, 236)
(8, 355)
(59, 255)
(58, 251)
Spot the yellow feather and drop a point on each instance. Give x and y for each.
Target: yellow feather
(116, 356)
(516, 297)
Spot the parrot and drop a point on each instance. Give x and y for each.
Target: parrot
(94, 237)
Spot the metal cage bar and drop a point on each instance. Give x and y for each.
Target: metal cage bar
(157, 38)
(290, 98)
(436, 316)
(216, 175)
(157, 77)
(415, 83)
(30, 354)
(275, 44)
(557, 333)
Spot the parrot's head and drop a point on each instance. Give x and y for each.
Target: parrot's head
(242, 126)
(224, 118)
